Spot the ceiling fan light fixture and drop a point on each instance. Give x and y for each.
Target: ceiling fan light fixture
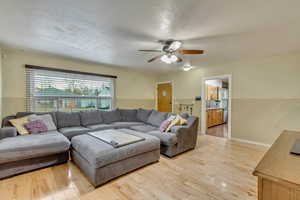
(175, 45)
(169, 59)
(187, 68)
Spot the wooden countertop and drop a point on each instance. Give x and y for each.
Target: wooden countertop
(215, 109)
(278, 164)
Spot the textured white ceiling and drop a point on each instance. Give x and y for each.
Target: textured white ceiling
(111, 31)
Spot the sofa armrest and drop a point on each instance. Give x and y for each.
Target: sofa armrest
(179, 129)
(5, 121)
(192, 123)
(8, 132)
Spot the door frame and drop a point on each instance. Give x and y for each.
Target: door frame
(156, 96)
(203, 102)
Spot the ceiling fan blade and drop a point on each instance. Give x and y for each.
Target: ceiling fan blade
(185, 51)
(153, 59)
(145, 50)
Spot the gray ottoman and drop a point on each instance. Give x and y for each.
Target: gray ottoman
(101, 162)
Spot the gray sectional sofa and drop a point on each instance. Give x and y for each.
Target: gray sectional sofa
(51, 148)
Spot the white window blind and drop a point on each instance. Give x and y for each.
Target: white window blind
(48, 90)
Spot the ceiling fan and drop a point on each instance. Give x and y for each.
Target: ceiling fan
(170, 51)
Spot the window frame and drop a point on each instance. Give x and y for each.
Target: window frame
(31, 97)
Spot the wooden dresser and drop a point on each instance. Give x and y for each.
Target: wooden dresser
(279, 171)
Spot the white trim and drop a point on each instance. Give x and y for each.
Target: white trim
(114, 97)
(203, 102)
(162, 82)
(251, 142)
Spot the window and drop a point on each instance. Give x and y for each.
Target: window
(61, 90)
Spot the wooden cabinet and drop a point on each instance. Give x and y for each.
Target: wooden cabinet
(214, 117)
(278, 171)
(212, 93)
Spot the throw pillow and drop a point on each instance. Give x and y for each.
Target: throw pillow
(37, 126)
(19, 124)
(174, 122)
(177, 121)
(182, 121)
(46, 119)
(164, 125)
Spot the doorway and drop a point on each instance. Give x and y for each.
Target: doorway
(216, 106)
(164, 97)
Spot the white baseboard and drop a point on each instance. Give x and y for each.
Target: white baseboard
(251, 142)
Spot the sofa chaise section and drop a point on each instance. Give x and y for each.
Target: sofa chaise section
(20, 154)
(186, 138)
(178, 140)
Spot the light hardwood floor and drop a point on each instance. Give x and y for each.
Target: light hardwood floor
(216, 170)
(218, 131)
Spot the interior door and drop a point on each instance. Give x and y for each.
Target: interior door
(164, 97)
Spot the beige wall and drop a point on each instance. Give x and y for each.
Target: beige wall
(266, 91)
(0, 83)
(266, 94)
(129, 93)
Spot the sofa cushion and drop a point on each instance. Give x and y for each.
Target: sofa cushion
(185, 115)
(99, 154)
(32, 146)
(112, 116)
(90, 117)
(67, 119)
(126, 124)
(156, 118)
(23, 114)
(167, 139)
(142, 115)
(128, 115)
(144, 128)
(70, 132)
(99, 127)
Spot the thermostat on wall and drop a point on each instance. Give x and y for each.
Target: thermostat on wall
(198, 98)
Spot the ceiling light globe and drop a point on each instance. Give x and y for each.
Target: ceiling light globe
(169, 59)
(187, 68)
